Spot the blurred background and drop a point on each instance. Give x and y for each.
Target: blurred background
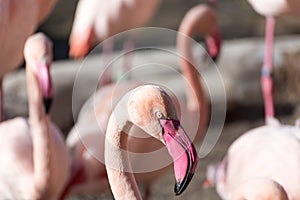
(236, 18)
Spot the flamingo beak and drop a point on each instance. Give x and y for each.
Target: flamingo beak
(81, 45)
(213, 45)
(182, 151)
(78, 48)
(45, 82)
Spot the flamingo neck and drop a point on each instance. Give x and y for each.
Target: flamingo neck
(122, 181)
(195, 97)
(35, 105)
(45, 8)
(40, 132)
(196, 100)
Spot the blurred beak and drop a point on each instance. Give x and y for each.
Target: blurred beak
(213, 45)
(80, 45)
(182, 151)
(45, 85)
(78, 48)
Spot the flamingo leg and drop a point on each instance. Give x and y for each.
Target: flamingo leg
(108, 48)
(107, 53)
(128, 47)
(266, 74)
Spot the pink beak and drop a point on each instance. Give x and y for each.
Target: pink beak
(213, 45)
(182, 151)
(81, 45)
(44, 77)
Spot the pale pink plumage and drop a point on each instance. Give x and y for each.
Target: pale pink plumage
(263, 163)
(260, 188)
(81, 139)
(93, 118)
(151, 109)
(271, 151)
(96, 20)
(34, 161)
(276, 7)
(18, 19)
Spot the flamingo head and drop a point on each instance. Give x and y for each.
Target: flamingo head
(38, 52)
(201, 19)
(163, 124)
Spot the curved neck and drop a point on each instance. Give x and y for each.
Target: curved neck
(122, 182)
(195, 93)
(40, 132)
(196, 99)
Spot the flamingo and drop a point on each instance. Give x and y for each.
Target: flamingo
(260, 188)
(270, 9)
(20, 19)
(150, 108)
(96, 20)
(83, 139)
(30, 149)
(270, 152)
(202, 19)
(255, 164)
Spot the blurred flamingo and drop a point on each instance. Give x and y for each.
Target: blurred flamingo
(270, 9)
(270, 152)
(97, 20)
(83, 140)
(255, 166)
(20, 19)
(260, 188)
(151, 109)
(34, 161)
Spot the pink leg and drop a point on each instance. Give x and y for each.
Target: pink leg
(127, 59)
(108, 48)
(266, 79)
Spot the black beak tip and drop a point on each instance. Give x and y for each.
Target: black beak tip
(215, 58)
(178, 189)
(47, 104)
(181, 186)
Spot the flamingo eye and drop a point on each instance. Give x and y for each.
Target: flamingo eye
(159, 115)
